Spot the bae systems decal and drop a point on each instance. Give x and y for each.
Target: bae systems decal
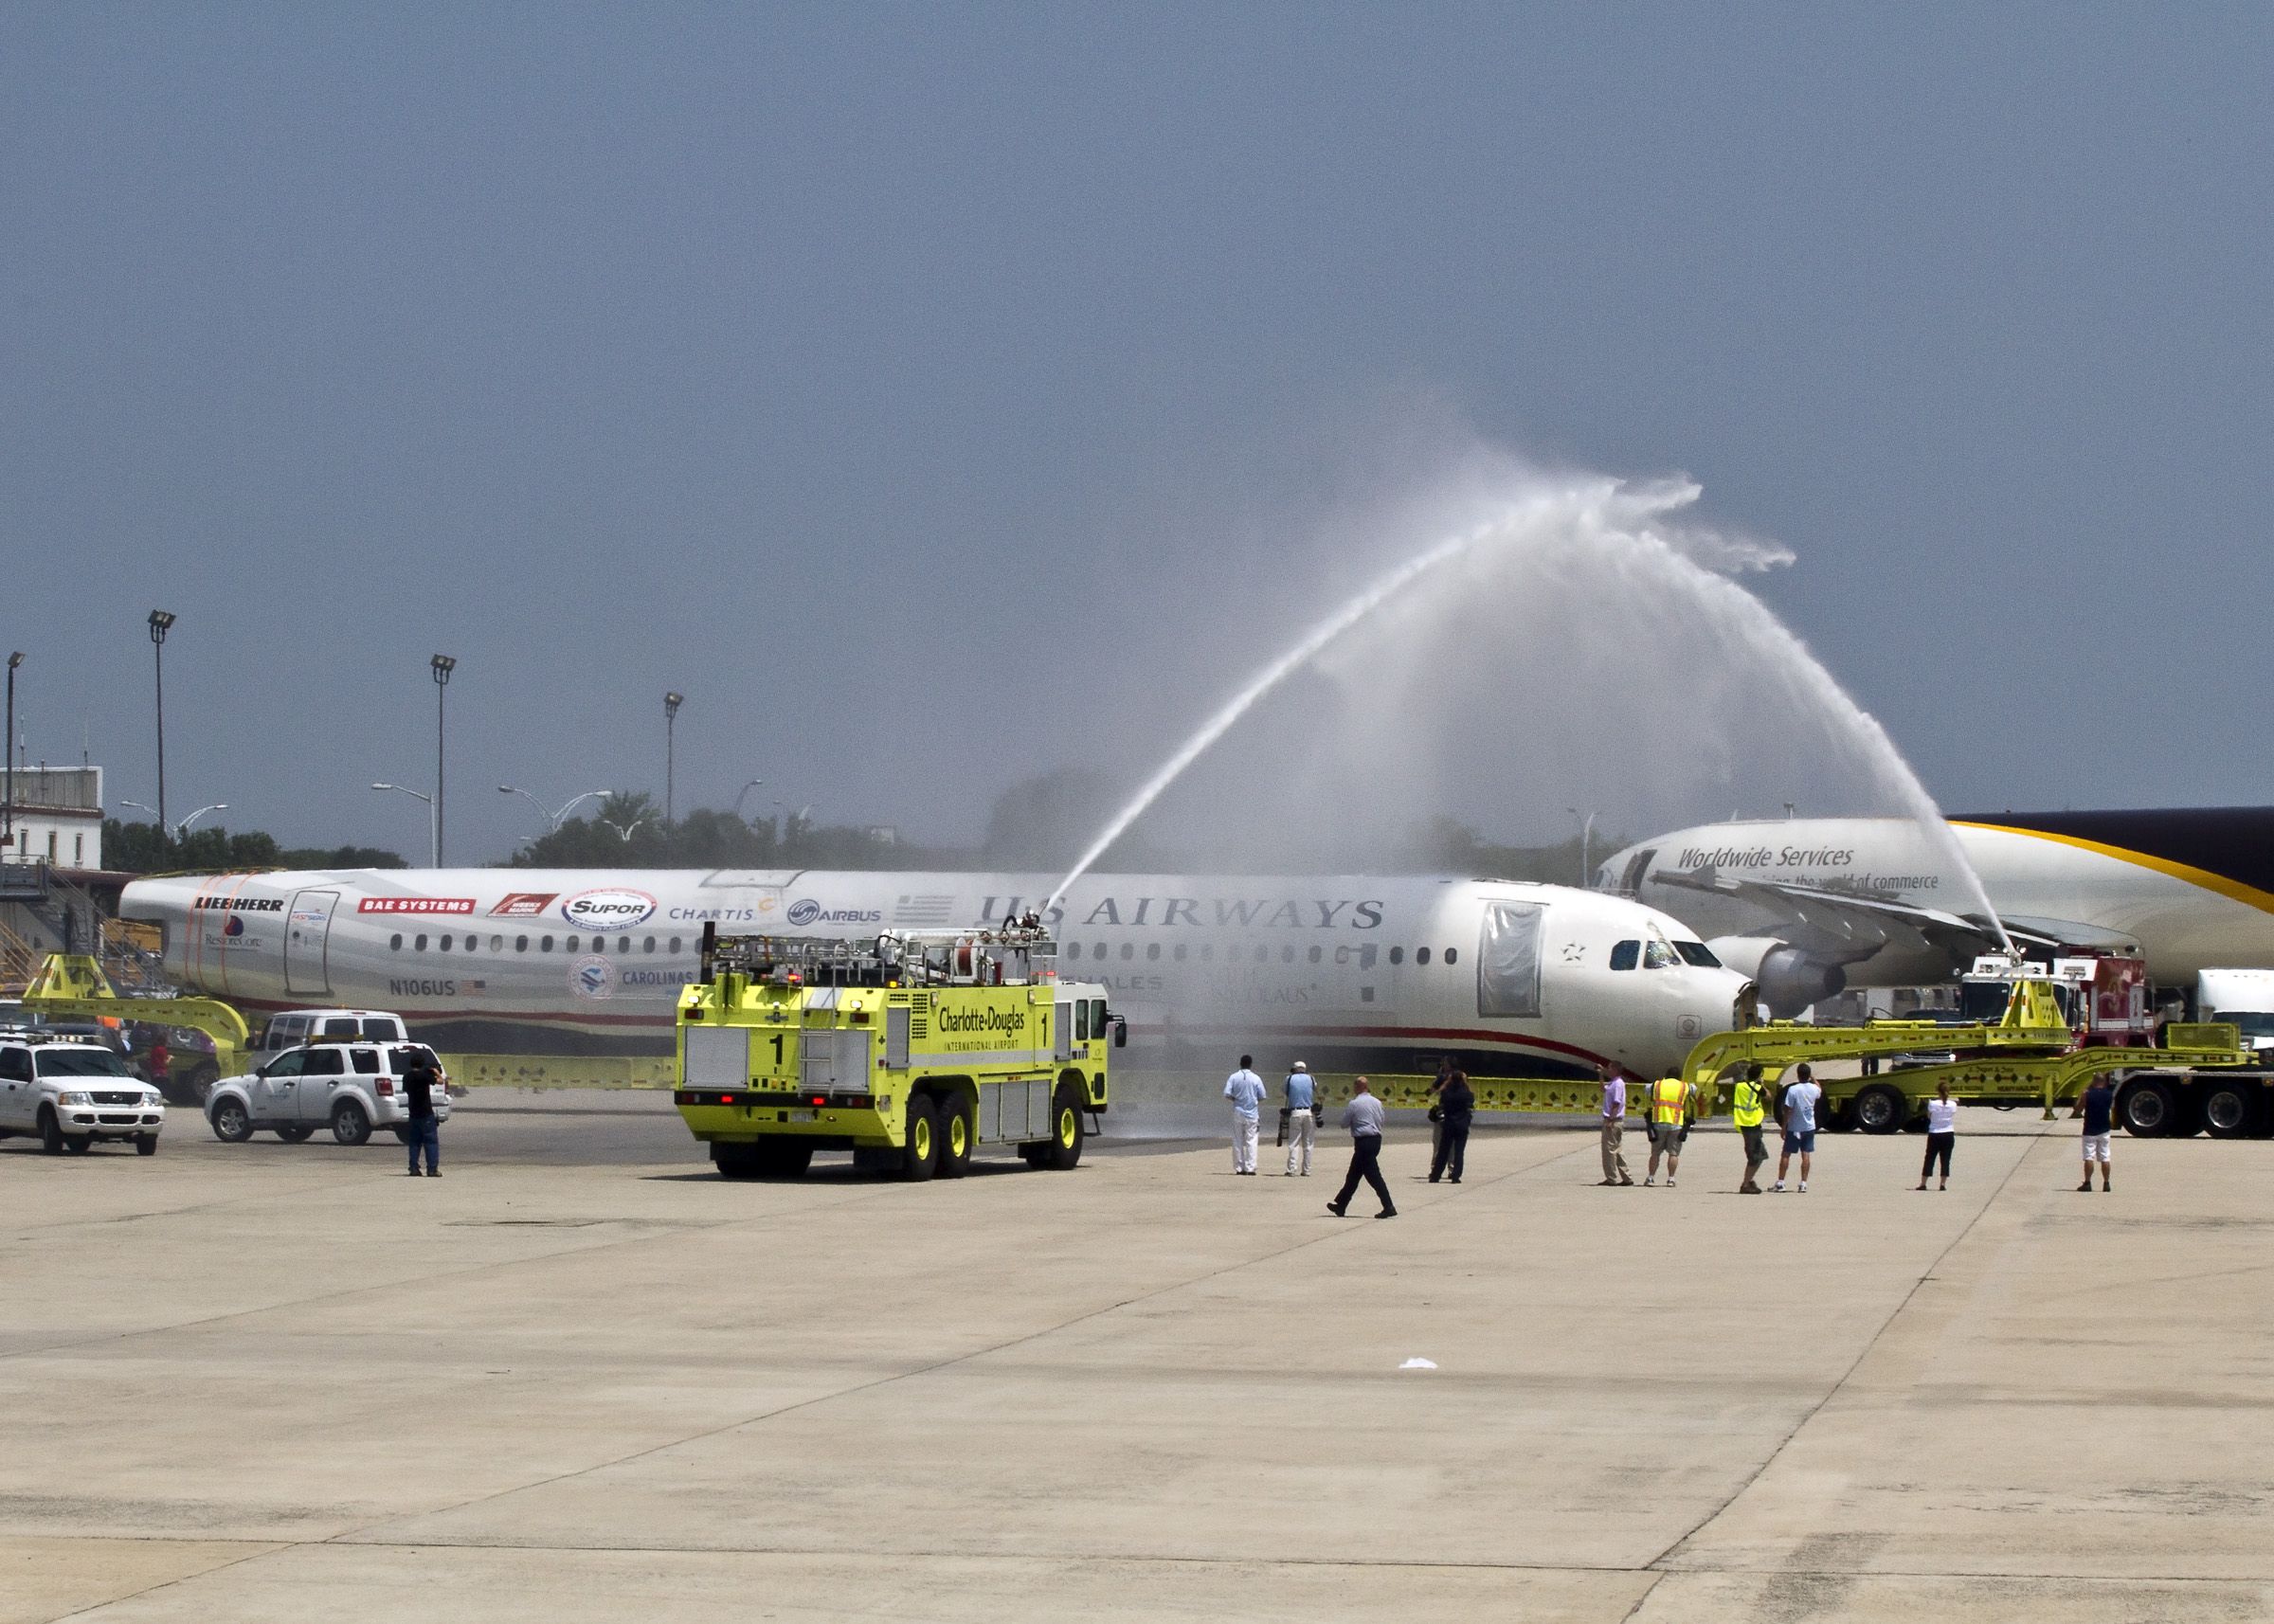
(524, 904)
(415, 905)
(807, 912)
(607, 909)
(593, 977)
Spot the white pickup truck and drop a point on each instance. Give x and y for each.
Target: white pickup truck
(74, 1094)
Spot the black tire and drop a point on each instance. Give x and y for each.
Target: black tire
(2262, 1114)
(79, 1143)
(920, 1151)
(953, 1115)
(349, 1125)
(784, 1157)
(1036, 1155)
(2230, 1106)
(1068, 1129)
(51, 1131)
(298, 1133)
(2147, 1108)
(735, 1161)
(1880, 1108)
(2188, 1120)
(146, 1144)
(196, 1085)
(401, 1134)
(232, 1123)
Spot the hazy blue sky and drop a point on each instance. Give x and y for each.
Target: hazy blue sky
(853, 369)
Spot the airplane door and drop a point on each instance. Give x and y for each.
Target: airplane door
(307, 937)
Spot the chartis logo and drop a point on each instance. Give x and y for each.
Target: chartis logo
(609, 909)
(807, 912)
(594, 977)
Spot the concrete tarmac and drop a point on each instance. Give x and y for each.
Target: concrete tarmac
(579, 1378)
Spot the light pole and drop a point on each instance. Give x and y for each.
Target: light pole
(181, 830)
(553, 820)
(622, 832)
(670, 725)
(1586, 838)
(743, 794)
(433, 822)
(7, 799)
(160, 623)
(444, 665)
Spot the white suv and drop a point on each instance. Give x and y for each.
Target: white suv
(72, 1094)
(351, 1088)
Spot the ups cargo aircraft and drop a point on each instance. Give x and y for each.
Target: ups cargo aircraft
(1812, 904)
(1346, 972)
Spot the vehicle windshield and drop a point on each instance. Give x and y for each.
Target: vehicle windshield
(2254, 1024)
(81, 1063)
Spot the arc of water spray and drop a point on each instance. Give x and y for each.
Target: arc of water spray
(1357, 609)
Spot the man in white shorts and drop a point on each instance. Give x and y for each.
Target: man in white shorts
(2098, 1109)
(1798, 1116)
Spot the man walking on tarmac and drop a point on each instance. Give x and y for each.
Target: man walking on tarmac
(1798, 1116)
(2097, 1105)
(1747, 1109)
(1244, 1088)
(1615, 1127)
(1362, 1117)
(418, 1083)
(1302, 1120)
(1671, 1101)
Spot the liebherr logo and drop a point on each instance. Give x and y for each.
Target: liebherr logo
(242, 904)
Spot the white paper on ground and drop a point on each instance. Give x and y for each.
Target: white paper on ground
(1418, 1364)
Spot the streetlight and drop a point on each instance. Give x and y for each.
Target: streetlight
(670, 725)
(622, 832)
(434, 821)
(7, 799)
(181, 830)
(444, 665)
(553, 819)
(743, 792)
(1587, 836)
(160, 623)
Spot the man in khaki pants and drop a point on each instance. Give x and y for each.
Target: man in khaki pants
(1615, 1127)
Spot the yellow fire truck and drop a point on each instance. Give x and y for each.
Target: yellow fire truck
(910, 1050)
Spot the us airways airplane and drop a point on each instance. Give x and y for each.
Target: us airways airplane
(1812, 904)
(1351, 972)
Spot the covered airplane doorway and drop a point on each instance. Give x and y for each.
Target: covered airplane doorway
(307, 942)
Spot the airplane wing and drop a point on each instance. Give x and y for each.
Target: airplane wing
(1844, 927)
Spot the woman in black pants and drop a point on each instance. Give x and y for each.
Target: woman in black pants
(1941, 1133)
(1456, 1107)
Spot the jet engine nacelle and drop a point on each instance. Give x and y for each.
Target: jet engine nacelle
(1788, 979)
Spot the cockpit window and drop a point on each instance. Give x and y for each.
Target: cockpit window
(1656, 955)
(1698, 953)
(1626, 955)
(1507, 960)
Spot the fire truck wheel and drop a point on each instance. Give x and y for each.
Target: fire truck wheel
(784, 1160)
(735, 1161)
(955, 1123)
(2145, 1106)
(1065, 1148)
(920, 1151)
(1036, 1155)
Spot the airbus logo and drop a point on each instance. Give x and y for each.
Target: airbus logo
(807, 912)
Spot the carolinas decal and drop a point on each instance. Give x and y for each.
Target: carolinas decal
(608, 908)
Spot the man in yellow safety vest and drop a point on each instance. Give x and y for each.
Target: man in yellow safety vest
(1749, 1107)
(1672, 1101)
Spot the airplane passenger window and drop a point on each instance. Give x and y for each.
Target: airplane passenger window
(1314, 955)
(1507, 960)
(474, 943)
(569, 946)
(1262, 953)
(418, 944)
(1074, 949)
(674, 945)
(445, 944)
(648, 946)
(1420, 955)
(520, 944)
(1128, 950)
(545, 945)
(394, 942)
(1287, 954)
(1365, 956)
(1180, 952)
(1626, 955)
(1397, 955)
(1152, 949)
(497, 944)
(1453, 955)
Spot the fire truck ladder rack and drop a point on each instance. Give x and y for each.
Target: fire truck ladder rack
(1003, 956)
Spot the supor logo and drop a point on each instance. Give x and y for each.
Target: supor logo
(807, 912)
(607, 909)
(593, 977)
(524, 904)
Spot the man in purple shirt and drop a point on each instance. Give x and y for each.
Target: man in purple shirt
(1615, 1125)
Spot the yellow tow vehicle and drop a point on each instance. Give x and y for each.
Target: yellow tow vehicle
(910, 1050)
(72, 986)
